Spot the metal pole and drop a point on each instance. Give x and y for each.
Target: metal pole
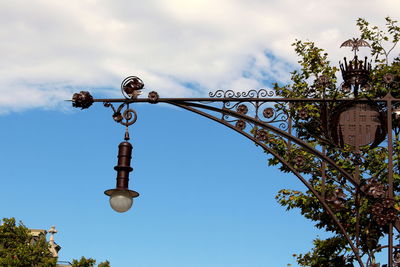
(390, 173)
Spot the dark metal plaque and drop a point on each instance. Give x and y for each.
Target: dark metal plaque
(358, 124)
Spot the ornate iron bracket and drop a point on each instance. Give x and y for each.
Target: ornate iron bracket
(266, 119)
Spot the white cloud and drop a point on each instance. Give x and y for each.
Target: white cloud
(50, 48)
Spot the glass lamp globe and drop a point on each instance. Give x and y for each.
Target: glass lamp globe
(121, 200)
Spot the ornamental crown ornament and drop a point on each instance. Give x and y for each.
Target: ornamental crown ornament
(355, 73)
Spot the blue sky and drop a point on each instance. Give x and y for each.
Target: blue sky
(207, 194)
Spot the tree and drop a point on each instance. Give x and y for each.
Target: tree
(317, 78)
(83, 262)
(17, 247)
(105, 264)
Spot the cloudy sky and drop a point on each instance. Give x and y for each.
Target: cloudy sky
(178, 47)
(207, 195)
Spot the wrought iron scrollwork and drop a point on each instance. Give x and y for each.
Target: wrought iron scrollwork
(131, 87)
(262, 93)
(129, 115)
(249, 103)
(242, 109)
(241, 124)
(382, 207)
(268, 113)
(261, 135)
(274, 115)
(246, 94)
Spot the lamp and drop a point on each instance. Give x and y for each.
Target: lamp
(121, 198)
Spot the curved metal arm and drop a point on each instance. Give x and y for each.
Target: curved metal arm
(292, 169)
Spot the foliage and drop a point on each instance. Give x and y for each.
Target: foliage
(105, 264)
(317, 78)
(327, 253)
(83, 262)
(89, 262)
(17, 247)
(378, 37)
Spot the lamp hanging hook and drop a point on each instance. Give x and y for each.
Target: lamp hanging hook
(126, 138)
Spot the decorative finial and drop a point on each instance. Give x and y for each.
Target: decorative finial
(82, 100)
(52, 230)
(131, 87)
(355, 43)
(54, 248)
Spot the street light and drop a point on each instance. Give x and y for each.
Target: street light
(258, 115)
(121, 198)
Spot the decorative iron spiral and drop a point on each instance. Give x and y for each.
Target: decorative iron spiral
(247, 94)
(129, 114)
